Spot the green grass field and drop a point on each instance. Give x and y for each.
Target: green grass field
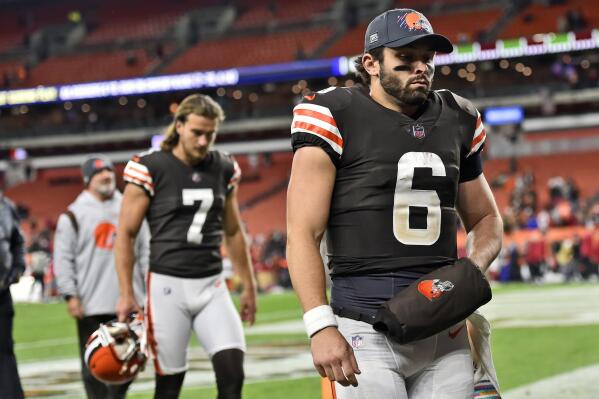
(522, 355)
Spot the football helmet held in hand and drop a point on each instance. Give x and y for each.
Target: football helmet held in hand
(115, 352)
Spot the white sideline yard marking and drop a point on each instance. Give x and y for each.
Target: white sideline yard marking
(536, 308)
(45, 343)
(563, 305)
(578, 384)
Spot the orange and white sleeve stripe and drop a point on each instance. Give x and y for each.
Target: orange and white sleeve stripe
(236, 176)
(317, 120)
(137, 173)
(479, 135)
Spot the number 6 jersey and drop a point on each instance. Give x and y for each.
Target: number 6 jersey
(186, 210)
(393, 203)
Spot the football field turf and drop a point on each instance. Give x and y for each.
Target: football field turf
(539, 332)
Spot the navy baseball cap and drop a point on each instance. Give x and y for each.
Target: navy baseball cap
(94, 164)
(401, 27)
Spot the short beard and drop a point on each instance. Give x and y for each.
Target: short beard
(106, 190)
(403, 95)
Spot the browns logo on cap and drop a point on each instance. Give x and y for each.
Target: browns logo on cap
(401, 27)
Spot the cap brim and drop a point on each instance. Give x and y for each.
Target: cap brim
(432, 41)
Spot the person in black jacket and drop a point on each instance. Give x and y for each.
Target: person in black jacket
(12, 266)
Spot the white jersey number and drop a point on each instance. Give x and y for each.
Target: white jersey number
(206, 198)
(405, 197)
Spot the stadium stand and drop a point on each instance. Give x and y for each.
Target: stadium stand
(534, 19)
(582, 167)
(249, 50)
(8, 41)
(89, 67)
(254, 14)
(158, 37)
(137, 19)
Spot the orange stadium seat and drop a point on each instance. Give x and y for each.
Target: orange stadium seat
(260, 13)
(89, 67)
(139, 29)
(136, 19)
(582, 167)
(267, 178)
(10, 40)
(44, 199)
(267, 216)
(23, 19)
(534, 19)
(54, 189)
(464, 25)
(352, 43)
(249, 50)
(538, 18)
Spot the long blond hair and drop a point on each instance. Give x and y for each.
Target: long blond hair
(198, 104)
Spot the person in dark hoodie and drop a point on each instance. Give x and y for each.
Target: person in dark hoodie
(12, 266)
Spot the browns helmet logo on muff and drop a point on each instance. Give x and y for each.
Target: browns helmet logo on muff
(433, 289)
(453, 292)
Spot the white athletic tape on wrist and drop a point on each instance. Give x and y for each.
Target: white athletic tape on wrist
(319, 318)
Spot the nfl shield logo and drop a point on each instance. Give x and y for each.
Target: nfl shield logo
(356, 341)
(418, 131)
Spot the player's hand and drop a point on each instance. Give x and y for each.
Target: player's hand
(333, 357)
(126, 305)
(74, 307)
(247, 305)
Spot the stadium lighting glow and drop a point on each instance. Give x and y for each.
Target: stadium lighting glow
(263, 74)
(28, 96)
(185, 81)
(504, 115)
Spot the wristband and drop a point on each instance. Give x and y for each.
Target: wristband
(319, 318)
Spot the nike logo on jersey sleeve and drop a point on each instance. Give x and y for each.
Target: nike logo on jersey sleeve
(139, 174)
(317, 120)
(479, 135)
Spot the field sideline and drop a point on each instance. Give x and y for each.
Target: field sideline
(539, 332)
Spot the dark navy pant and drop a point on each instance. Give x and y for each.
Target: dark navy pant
(10, 384)
(94, 388)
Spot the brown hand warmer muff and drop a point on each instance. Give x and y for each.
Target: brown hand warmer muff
(435, 302)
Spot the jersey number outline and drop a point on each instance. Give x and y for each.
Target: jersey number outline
(405, 197)
(206, 198)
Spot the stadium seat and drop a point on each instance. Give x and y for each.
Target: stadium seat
(260, 13)
(89, 67)
(249, 50)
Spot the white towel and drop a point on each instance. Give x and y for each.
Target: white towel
(486, 384)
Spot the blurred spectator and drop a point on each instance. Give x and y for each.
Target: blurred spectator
(510, 264)
(535, 255)
(575, 21)
(12, 266)
(40, 258)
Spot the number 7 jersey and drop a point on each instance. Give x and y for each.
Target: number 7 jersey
(186, 210)
(397, 178)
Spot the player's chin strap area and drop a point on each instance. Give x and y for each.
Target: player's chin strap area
(433, 303)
